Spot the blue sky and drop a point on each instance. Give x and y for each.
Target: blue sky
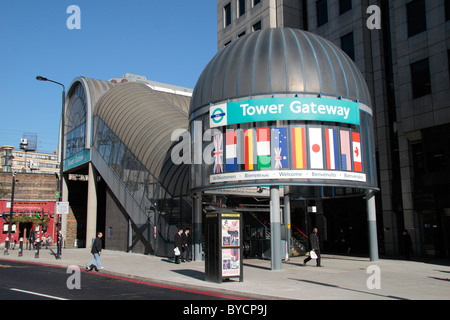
(168, 41)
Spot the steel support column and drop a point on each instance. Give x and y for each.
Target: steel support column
(275, 228)
(372, 225)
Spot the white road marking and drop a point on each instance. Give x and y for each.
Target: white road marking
(38, 294)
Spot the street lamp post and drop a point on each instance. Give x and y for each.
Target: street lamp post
(61, 165)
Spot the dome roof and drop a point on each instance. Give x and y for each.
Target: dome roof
(283, 61)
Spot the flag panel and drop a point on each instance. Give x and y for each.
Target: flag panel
(249, 137)
(298, 143)
(280, 148)
(331, 149)
(263, 148)
(231, 151)
(218, 153)
(356, 149)
(346, 157)
(315, 148)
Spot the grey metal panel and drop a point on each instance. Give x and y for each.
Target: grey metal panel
(312, 80)
(261, 67)
(244, 83)
(278, 73)
(296, 71)
(327, 69)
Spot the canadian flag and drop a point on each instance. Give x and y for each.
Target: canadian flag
(356, 146)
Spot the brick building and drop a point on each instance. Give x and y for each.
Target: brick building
(33, 206)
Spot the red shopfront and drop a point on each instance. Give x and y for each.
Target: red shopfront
(38, 216)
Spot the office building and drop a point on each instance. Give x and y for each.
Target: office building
(402, 49)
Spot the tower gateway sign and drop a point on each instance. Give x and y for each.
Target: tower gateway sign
(284, 108)
(328, 149)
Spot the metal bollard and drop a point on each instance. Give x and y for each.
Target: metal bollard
(36, 255)
(6, 252)
(21, 247)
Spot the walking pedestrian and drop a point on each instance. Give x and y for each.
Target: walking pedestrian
(315, 247)
(178, 245)
(96, 251)
(407, 244)
(186, 243)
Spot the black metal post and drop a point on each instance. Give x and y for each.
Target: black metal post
(61, 165)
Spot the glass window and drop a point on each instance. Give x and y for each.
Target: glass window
(99, 134)
(117, 164)
(322, 12)
(417, 21)
(447, 10)
(255, 2)
(140, 184)
(241, 8)
(227, 15)
(344, 6)
(76, 121)
(134, 173)
(348, 46)
(420, 78)
(115, 146)
(257, 26)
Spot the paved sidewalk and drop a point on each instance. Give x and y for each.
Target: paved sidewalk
(341, 278)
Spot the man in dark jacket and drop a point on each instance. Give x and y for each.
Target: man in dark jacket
(315, 246)
(178, 244)
(96, 251)
(186, 245)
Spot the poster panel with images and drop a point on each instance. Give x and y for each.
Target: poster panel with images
(230, 233)
(230, 262)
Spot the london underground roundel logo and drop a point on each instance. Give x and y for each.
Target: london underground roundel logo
(218, 115)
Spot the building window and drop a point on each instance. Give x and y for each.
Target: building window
(241, 7)
(420, 78)
(344, 6)
(227, 15)
(448, 62)
(255, 2)
(447, 10)
(348, 46)
(417, 21)
(257, 26)
(240, 35)
(322, 12)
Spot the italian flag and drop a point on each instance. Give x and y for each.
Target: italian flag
(263, 148)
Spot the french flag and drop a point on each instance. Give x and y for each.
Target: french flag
(357, 159)
(331, 148)
(231, 151)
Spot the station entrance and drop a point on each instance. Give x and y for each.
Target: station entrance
(287, 111)
(341, 223)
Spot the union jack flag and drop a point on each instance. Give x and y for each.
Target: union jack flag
(218, 153)
(278, 158)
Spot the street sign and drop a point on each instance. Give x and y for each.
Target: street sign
(62, 208)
